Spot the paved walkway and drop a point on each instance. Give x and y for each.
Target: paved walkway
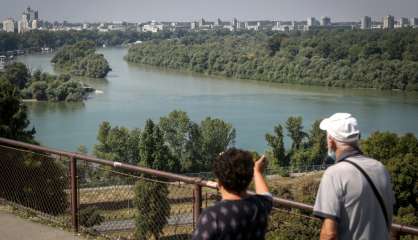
(16, 228)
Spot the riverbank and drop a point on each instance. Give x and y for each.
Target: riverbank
(354, 59)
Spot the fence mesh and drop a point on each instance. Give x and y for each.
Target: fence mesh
(37, 183)
(122, 205)
(119, 204)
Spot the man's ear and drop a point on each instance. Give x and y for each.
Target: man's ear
(333, 144)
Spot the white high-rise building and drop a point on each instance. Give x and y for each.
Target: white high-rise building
(35, 24)
(9, 25)
(23, 25)
(366, 22)
(312, 22)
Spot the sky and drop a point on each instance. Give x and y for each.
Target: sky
(188, 10)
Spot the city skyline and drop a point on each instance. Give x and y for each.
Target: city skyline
(186, 10)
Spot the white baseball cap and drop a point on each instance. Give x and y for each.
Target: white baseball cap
(342, 127)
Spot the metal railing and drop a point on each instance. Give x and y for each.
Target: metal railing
(114, 192)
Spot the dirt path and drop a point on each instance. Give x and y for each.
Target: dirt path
(16, 228)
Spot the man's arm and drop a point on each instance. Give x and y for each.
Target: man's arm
(329, 229)
(259, 181)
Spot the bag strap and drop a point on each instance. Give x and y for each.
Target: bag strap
(376, 192)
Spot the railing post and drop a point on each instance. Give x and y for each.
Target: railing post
(74, 193)
(395, 235)
(197, 202)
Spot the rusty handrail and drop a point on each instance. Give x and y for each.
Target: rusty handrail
(398, 228)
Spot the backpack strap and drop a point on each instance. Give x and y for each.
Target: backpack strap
(376, 192)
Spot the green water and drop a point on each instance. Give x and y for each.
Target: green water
(132, 93)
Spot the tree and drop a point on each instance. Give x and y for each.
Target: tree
(13, 115)
(93, 66)
(102, 149)
(80, 59)
(39, 90)
(151, 201)
(33, 180)
(176, 129)
(193, 150)
(381, 146)
(404, 172)
(217, 136)
(151, 197)
(153, 151)
(90, 216)
(17, 74)
(317, 142)
(295, 131)
(276, 143)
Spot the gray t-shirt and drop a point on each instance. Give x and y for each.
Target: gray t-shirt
(346, 196)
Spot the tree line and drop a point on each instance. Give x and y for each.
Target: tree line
(81, 59)
(335, 58)
(35, 40)
(42, 86)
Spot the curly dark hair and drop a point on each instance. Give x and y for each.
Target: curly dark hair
(234, 169)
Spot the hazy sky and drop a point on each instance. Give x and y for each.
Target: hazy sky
(140, 10)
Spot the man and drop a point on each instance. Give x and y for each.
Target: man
(238, 215)
(355, 197)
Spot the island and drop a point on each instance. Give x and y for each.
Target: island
(81, 59)
(41, 86)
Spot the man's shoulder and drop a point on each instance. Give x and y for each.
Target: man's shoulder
(344, 166)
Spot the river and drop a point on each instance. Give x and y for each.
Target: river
(132, 94)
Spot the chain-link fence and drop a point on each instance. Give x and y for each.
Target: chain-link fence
(121, 201)
(37, 183)
(118, 205)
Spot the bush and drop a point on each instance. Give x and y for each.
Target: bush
(151, 200)
(34, 181)
(90, 216)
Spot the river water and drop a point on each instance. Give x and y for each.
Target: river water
(132, 94)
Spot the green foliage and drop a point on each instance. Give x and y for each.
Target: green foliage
(17, 74)
(314, 150)
(154, 153)
(35, 40)
(80, 59)
(400, 155)
(43, 86)
(90, 216)
(276, 143)
(34, 181)
(404, 172)
(151, 201)
(14, 121)
(176, 128)
(292, 225)
(195, 146)
(93, 66)
(117, 144)
(307, 149)
(381, 146)
(295, 132)
(151, 198)
(217, 136)
(352, 59)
